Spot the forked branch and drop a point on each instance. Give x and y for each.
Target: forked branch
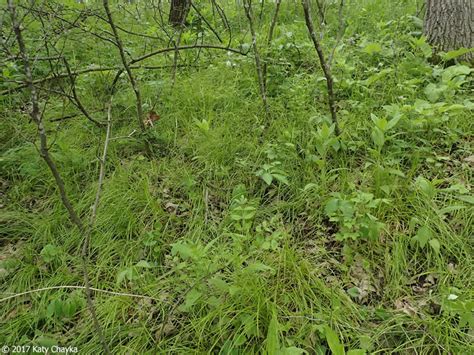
(37, 117)
(127, 68)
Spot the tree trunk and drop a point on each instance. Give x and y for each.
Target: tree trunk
(178, 12)
(449, 25)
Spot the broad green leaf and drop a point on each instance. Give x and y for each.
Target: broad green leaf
(240, 340)
(333, 341)
(219, 284)
(378, 137)
(418, 22)
(331, 206)
(434, 92)
(144, 264)
(272, 344)
(356, 352)
(347, 209)
(466, 198)
(455, 70)
(423, 236)
(393, 122)
(267, 177)
(49, 253)
(281, 178)
(451, 209)
(184, 250)
(258, 267)
(46, 341)
(455, 54)
(426, 186)
(395, 172)
(190, 300)
(354, 292)
(435, 245)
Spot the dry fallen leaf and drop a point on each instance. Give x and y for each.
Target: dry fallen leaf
(151, 117)
(164, 331)
(451, 268)
(469, 159)
(406, 307)
(171, 207)
(362, 281)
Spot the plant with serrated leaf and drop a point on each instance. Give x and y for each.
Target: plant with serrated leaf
(132, 273)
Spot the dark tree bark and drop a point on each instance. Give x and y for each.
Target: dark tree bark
(179, 10)
(449, 25)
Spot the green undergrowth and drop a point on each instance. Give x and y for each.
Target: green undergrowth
(250, 234)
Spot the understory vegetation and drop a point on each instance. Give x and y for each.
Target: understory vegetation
(226, 227)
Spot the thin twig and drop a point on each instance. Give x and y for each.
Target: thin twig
(77, 101)
(131, 66)
(258, 64)
(37, 117)
(16, 295)
(131, 77)
(102, 159)
(194, 46)
(269, 39)
(176, 54)
(206, 22)
(340, 32)
(324, 65)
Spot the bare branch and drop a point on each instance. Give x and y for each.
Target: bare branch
(324, 65)
(37, 117)
(258, 64)
(206, 22)
(77, 101)
(126, 66)
(181, 48)
(270, 38)
(73, 287)
(340, 32)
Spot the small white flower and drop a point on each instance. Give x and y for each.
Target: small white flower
(452, 297)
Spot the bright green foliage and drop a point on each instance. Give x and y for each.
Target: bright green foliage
(354, 216)
(248, 233)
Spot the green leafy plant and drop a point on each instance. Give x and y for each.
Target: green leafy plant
(354, 217)
(51, 253)
(380, 129)
(272, 172)
(66, 308)
(242, 214)
(424, 237)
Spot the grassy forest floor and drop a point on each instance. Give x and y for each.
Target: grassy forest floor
(245, 233)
